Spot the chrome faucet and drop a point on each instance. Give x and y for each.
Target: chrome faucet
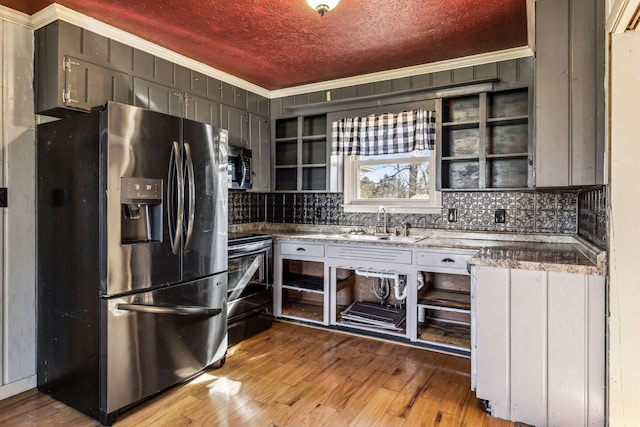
(382, 210)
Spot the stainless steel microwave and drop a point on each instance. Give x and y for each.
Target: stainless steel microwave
(240, 173)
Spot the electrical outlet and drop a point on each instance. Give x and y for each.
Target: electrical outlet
(501, 215)
(452, 215)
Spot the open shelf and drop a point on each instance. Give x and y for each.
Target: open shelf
(445, 334)
(484, 141)
(447, 300)
(301, 144)
(304, 283)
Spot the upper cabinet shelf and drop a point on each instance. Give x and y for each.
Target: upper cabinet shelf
(484, 141)
(301, 153)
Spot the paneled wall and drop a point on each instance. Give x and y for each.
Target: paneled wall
(17, 225)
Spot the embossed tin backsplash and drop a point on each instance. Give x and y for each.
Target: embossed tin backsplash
(592, 215)
(525, 211)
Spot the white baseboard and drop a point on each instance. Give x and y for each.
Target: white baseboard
(17, 387)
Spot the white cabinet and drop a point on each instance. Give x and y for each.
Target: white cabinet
(443, 305)
(300, 290)
(538, 345)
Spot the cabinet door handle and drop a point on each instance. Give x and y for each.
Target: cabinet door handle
(301, 250)
(448, 260)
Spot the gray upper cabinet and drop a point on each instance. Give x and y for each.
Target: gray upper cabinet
(569, 93)
(156, 97)
(236, 121)
(260, 145)
(72, 75)
(483, 141)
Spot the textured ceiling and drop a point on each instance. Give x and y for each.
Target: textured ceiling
(282, 43)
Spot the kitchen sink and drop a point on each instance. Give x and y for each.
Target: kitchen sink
(365, 237)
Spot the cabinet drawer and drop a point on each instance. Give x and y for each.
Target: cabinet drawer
(444, 259)
(301, 249)
(384, 256)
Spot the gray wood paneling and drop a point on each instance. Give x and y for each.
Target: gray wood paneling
(17, 284)
(260, 144)
(442, 78)
(383, 87)
(486, 71)
(554, 327)
(567, 343)
(95, 48)
(240, 98)
(182, 78)
(583, 92)
(69, 39)
(401, 84)
(236, 121)
(198, 83)
(120, 56)
(143, 64)
(214, 88)
(463, 74)
(205, 110)
(421, 81)
(569, 94)
(493, 303)
(367, 89)
(346, 93)
(163, 72)
(528, 345)
(317, 97)
(227, 93)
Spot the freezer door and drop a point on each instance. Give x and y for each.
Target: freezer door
(158, 338)
(205, 223)
(140, 143)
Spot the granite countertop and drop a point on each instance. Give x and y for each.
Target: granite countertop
(545, 252)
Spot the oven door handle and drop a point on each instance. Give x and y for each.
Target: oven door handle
(178, 310)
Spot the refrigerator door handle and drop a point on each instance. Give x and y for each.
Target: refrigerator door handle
(175, 163)
(178, 310)
(192, 195)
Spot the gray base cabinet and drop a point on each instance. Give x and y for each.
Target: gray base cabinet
(538, 345)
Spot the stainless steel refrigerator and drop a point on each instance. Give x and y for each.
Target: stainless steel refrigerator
(132, 256)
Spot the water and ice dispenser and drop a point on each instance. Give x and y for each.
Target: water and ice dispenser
(141, 210)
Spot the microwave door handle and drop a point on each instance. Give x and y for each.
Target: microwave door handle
(192, 195)
(244, 170)
(175, 163)
(178, 310)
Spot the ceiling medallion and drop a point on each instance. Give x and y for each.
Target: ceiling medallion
(323, 6)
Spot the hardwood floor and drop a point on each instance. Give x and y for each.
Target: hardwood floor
(292, 375)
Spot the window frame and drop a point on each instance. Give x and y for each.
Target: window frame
(410, 206)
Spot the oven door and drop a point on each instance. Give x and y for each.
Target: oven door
(247, 288)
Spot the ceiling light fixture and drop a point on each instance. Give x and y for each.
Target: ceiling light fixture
(323, 6)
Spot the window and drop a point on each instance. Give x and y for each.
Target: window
(401, 182)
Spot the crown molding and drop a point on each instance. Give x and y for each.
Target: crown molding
(15, 17)
(450, 64)
(620, 15)
(56, 11)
